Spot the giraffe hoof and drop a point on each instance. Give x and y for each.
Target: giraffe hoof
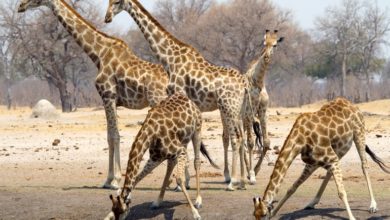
(373, 210)
(178, 189)
(198, 205)
(197, 217)
(230, 187)
(241, 187)
(110, 186)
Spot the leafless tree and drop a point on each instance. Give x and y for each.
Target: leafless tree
(12, 63)
(53, 51)
(338, 25)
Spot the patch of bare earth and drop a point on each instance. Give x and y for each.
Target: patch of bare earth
(54, 169)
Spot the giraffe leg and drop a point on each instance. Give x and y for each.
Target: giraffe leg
(188, 177)
(262, 114)
(181, 161)
(250, 144)
(308, 170)
(317, 198)
(114, 168)
(242, 159)
(196, 142)
(359, 140)
(225, 139)
(260, 161)
(235, 149)
(149, 167)
(171, 165)
(336, 172)
(263, 117)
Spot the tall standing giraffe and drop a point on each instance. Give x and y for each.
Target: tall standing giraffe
(322, 138)
(259, 99)
(211, 87)
(166, 131)
(123, 79)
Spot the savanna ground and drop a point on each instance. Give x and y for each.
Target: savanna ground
(42, 181)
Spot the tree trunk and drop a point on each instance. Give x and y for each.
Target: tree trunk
(9, 97)
(344, 75)
(66, 102)
(368, 93)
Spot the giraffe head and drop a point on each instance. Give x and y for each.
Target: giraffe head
(119, 209)
(27, 4)
(114, 8)
(261, 209)
(271, 40)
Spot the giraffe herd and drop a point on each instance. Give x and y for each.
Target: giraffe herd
(184, 86)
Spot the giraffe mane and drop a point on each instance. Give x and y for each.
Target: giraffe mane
(154, 20)
(89, 24)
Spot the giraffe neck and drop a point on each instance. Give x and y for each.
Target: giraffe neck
(92, 41)
(142, 142)
(259, 69)
(288, 153)
(162, 43)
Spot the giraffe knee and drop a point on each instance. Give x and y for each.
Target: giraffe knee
(342, 195)
(197, 163)
(179, 181)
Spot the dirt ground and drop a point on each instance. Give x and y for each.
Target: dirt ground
(42, 181)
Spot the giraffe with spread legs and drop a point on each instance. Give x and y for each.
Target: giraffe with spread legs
(166, 131)
(322, 138)
(259, 100)
(211, 87)
(123, 79)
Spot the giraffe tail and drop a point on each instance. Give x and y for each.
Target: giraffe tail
(205, 153)
(378, 160)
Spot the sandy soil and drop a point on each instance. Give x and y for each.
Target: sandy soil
(41, 181)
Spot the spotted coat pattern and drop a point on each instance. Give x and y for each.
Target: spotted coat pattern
(123, 79)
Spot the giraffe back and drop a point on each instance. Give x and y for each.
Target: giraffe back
(175, 119)
(326, 135)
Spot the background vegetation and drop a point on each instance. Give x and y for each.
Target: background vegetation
(342, 56)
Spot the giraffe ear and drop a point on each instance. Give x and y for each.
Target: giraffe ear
(276, 31)
(280, 39)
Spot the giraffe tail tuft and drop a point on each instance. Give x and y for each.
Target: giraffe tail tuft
(378, 160)
(257, 130)
(205, 153)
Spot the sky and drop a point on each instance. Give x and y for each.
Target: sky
(304, 12)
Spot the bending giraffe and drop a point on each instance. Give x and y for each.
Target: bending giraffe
(122, 80)
(322, 138)
(259, 100)
(166, 131)
(211, 87)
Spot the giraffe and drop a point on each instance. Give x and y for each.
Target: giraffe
(166, 131)
(322, 138)
(259, 99)
(211, 87)
(122, 80)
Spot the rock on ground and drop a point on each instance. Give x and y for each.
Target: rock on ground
(44, 109)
